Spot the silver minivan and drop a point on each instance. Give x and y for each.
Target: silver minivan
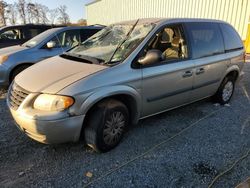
(126, 72)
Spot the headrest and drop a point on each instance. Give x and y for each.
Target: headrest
(167, 35)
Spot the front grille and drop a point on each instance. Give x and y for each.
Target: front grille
(16, 96)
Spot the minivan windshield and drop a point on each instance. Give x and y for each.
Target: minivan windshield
(113, 43)
(39, 38)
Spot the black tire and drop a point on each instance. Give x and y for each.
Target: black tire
(218, 97)
(17, 70)
(100, 128)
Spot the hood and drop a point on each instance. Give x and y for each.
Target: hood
(54, 74)
(11, 50)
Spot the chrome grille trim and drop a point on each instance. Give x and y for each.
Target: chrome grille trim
(16, 96)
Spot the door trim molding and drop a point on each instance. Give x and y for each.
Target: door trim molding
(169, 94)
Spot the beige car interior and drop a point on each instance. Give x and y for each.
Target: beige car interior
(173, 51)
(171, 42)
(178, 48)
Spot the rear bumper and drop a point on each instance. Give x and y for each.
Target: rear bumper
(50, 131)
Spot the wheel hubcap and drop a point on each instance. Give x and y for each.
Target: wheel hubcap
(227, 91)
(113, 128)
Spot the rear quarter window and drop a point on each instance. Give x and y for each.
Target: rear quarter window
(205, 38)
(232, 39)
(11, 34)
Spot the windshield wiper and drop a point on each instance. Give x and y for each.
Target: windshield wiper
(83, 58)
(124, 40)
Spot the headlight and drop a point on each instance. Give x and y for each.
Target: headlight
(3, 58)
(48, 102)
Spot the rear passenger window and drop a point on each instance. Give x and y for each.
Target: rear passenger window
(86, 33)
(206, 39)
(231, 38)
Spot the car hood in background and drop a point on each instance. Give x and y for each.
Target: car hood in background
(54, 74)
(12, 49)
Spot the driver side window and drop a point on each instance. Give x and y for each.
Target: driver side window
(171, 43)
(70, 38)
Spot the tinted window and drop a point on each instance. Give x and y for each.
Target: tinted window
(12, 34)
(34, 32)
(206, 39)
(86, 33)
(231, 37)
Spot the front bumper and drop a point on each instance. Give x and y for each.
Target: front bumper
(50, 131)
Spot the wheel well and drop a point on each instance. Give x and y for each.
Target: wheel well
(233, 74)
(16, 67)
(127, 100)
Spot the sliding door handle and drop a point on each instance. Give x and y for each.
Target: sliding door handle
(200, 70)
(188, 73)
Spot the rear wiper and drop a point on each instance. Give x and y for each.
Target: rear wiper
(124, 40)
(83, 58)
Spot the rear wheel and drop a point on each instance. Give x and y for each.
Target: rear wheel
(225, 91)
(106, 125)
(17, 70)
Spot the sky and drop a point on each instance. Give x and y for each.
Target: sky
(75, 8)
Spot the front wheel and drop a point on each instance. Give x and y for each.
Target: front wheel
(106, 125)
(225, 91)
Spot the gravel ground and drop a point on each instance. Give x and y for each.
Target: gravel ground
(186, 147)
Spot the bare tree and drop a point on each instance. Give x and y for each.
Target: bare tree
(53, 14)
(42, 13)
(3, 6)
(63, 15)
(21, 5)
(37, 13)
(12, 13)
(31, 12)
(27, 12)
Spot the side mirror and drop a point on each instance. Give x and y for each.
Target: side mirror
(152, 56)
(51, 44)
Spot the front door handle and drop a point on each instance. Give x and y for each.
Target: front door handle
(200, 70)
(187, 74)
